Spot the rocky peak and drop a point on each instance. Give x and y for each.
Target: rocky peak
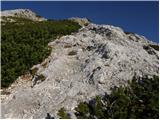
(81, 66)
(21, 13)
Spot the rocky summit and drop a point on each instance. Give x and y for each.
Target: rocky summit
(82, 65)
(9, 15)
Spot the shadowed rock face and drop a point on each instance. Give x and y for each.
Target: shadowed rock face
(81, 66)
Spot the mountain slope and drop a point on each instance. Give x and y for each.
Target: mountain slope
(24, 43)
(81, 66)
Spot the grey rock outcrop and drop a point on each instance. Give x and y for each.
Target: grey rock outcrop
(81, 66)
(7, 15)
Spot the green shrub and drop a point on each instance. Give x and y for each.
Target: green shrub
(82, 111)
(62, 114)
(139, 100)
(24, 44)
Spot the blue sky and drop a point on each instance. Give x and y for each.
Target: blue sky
(133, 16)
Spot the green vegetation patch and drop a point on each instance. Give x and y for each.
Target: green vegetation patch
(24, 45)
(62, 113)
(17, 20)
(139, 100)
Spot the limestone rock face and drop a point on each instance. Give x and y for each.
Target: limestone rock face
(20, 13)
(81, 66)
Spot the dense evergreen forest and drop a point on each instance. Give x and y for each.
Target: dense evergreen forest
(138, 100)
(24, 44)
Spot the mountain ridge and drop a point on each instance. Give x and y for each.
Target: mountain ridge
(82, 65)
(21, 13)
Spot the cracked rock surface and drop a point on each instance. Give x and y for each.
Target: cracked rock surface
(81, 66)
